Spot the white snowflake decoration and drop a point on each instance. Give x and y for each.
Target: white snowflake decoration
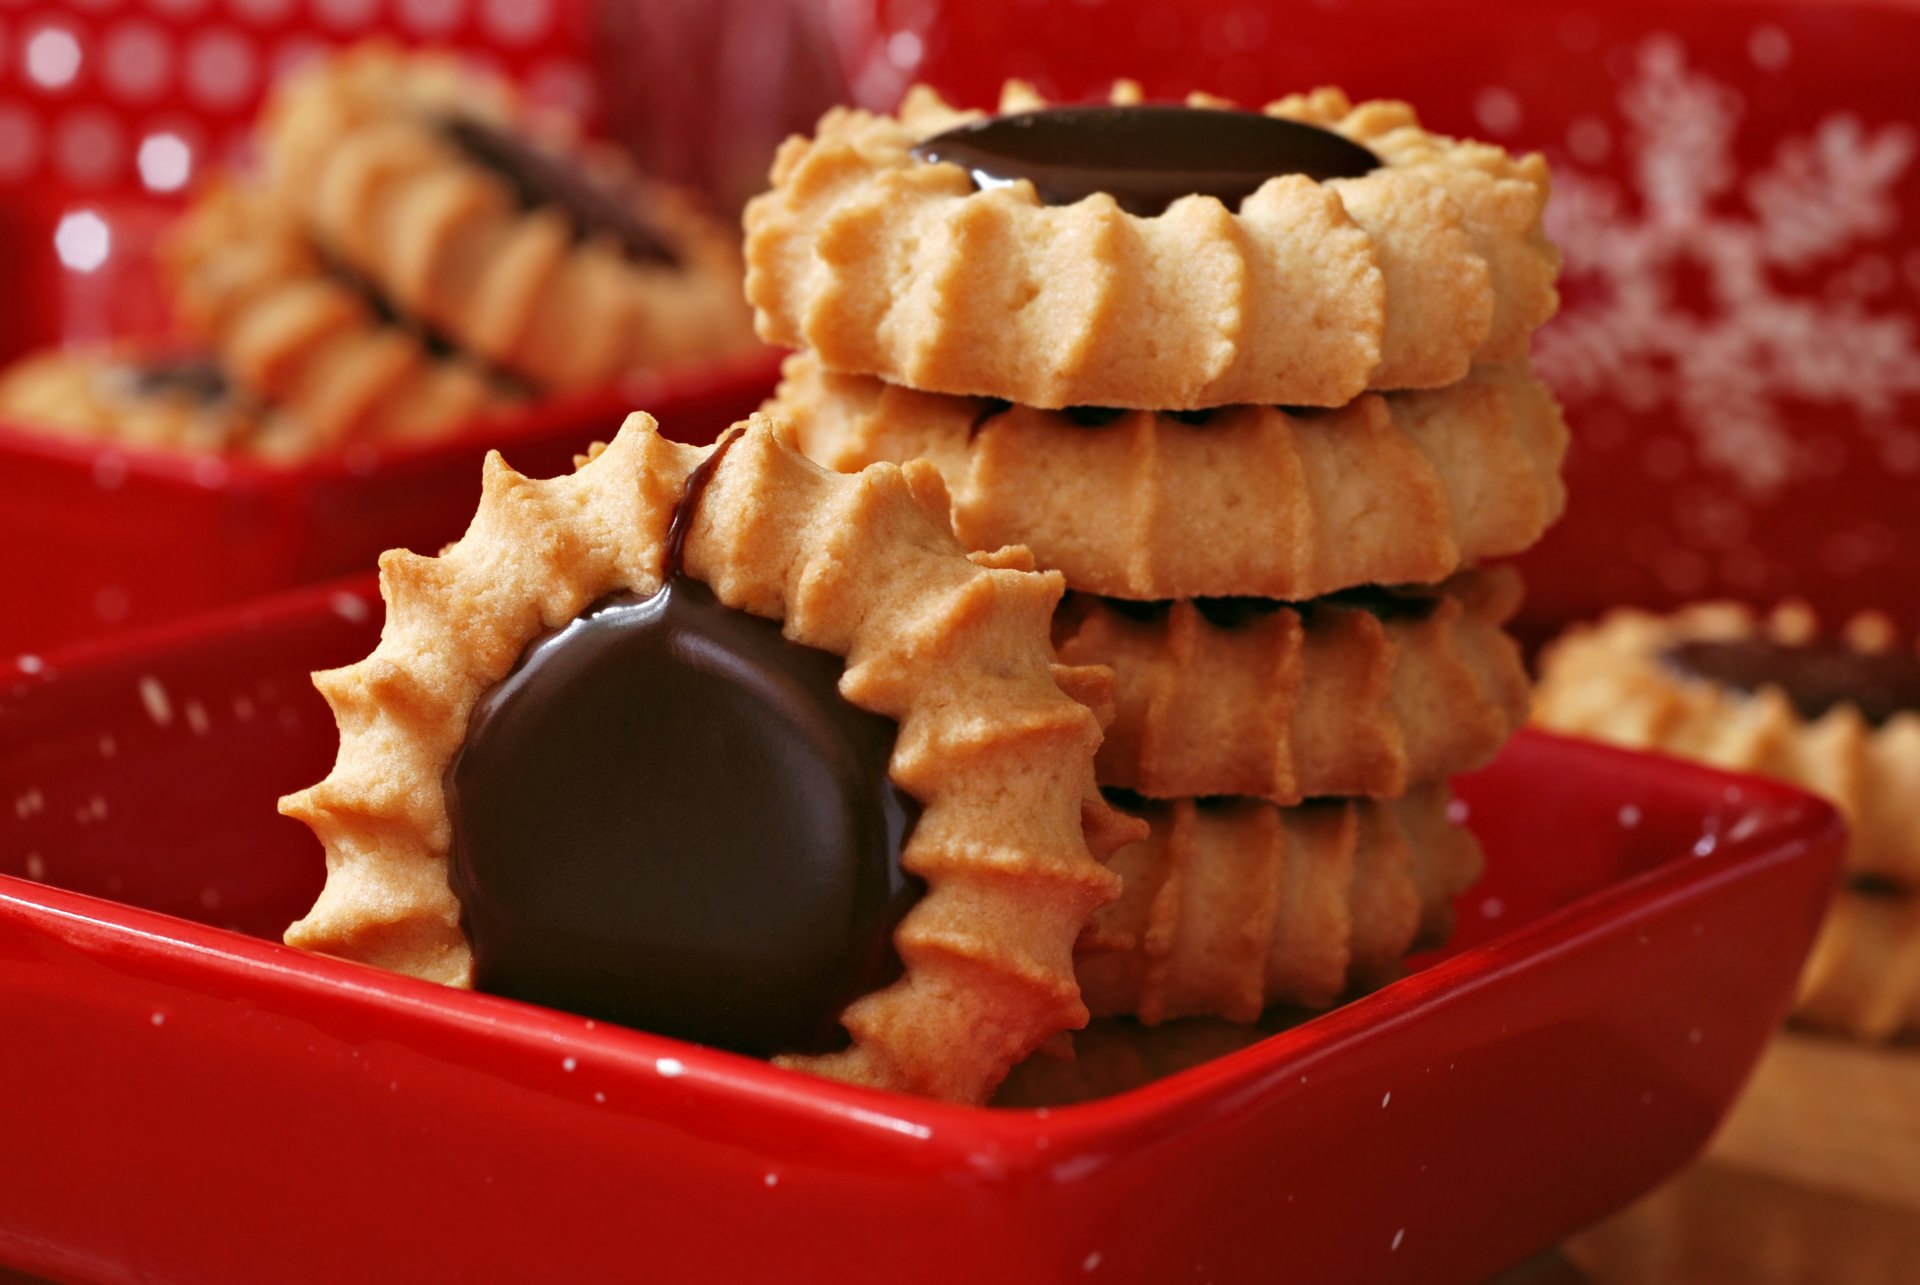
(1823, 196)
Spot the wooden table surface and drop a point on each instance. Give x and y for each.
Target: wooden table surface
(1814, 1180)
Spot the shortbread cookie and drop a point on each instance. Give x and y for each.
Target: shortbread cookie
(543, 255)
(1716, 683)
(1257, 501)
(1358, 695)
(1232, 906)
(157, 397)
(1863, 977)
(1050, 257)
(300, 333)
(613, 624)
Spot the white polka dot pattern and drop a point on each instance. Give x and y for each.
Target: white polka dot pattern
(140, 96)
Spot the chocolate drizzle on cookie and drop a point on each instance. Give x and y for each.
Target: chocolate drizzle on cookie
(668, 816)
(1814, 676)
(1388, 603)
(540, 179)
(1144, 157)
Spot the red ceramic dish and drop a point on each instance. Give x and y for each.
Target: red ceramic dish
(185, 1099)
(1737, 192)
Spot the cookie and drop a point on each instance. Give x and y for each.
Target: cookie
(765, 663)
(1150, 257)
(1358, 695)
(1258, 501)
(1717, 683)
(1863, 978)
(304, 335)
(149, 397)
(1232, 906)
(543, 255)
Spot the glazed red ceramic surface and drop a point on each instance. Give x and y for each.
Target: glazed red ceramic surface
(1737, 192)
(109, 114)
(184, 1099)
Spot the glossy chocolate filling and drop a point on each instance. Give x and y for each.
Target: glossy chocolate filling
(668, 816)
(1144, 156)
(1387, 602)
(1104, 416)
(197, 378)
(1815, 676)
(540, 179)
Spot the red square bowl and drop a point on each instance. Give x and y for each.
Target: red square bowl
(184, 1099)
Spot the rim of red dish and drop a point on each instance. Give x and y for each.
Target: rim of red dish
(1797, 822)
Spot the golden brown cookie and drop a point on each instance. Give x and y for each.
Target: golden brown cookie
(1256, 501)
(1359, 695)
(543, 255)
(954, 648)
(1863, 978)
(1304, 293)
(296, 332)
(139, 396)
(1232, 906)
(1718, 683)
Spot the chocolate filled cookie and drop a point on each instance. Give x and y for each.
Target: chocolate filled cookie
(540, 254)
(1150, 256)
(717, 744)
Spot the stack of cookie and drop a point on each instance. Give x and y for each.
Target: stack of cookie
(1257, 384)
(419, 249)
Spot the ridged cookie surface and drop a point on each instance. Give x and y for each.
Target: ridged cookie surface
(1255, 501)
(295, 333)
(1357, 697)
(1863, 977)
(1231, 906)
(1309, 293)
(955, 649)
(360, 148)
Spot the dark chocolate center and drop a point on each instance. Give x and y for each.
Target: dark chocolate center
(1387, 602)
(197, 378)
(1815, 676)
(540, 179)
(668, 816)
(1145, 157)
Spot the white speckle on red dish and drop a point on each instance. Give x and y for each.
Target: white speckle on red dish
(772, 1180)
(1493, 908)
(243, 709)
(1091, 1262)
(30, 663)
(197, 718)
(29, 803)
(349, 606)
(569, 1063)
(1386, 1098)
(1458, 811)
(108, 746)
(1629, 816)
(158, 1019)
(1706, 844)
(1397, 1238)
(36, 866)
(154, 696)
(600, 1097)
(670, 1067)
(1769, 48)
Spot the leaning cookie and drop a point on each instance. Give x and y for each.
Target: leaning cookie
(796, 677)
(1404, 488)
(1863, 977)
(1359, 695)
(543, 255)
(1232, 906)
(1153, 257)
(135, 396)
(1717, 683)
(302, 334)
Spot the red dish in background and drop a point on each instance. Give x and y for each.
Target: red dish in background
(183, 1100)
(1736, 187)
(108, 115)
